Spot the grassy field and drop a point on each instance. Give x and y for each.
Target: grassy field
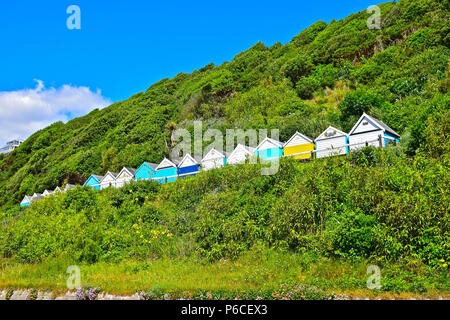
(265, 274)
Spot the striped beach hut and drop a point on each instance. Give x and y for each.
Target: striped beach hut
(188, 166)
(125, 176)
(166, 171)
(241, 154)
(299, 143)
(269, 149)
(331, 142)
(369, 131)
(146, 171)
(93, 181)
(214, 159)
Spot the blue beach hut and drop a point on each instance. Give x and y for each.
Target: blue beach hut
(166, 171)
(269, 149)
(26, 201)
(188, 166)
(146, 171)
(93, 181)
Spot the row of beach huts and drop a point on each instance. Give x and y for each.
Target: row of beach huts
(367, 131)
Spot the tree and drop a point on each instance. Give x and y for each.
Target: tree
(297, 67)
(359, 101)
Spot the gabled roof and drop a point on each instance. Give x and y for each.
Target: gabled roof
(36, 196)
(380, 124)
(131, 171)
(166, 163)
(275, 143)
(298, 134)
(338, 133)
(96, 177)
(47, 192)
(214, 150)
(99, 178)
(248, 150)
(57, 189)
(186, 158)
(26, 199)
(150, 164)
(109, 173)
(68, 187)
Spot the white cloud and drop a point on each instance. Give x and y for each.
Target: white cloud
(25, 111)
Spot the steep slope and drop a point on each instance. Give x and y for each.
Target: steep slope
(328, 74)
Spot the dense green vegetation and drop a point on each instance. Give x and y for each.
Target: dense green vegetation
(376, 204)
(399, 73)
(389, 206)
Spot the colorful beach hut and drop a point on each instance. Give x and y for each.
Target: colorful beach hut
(166, 171)
(269, 149)
(26, 201)
(188, 166)
(93, 181)
(299, 143)
(146, 171)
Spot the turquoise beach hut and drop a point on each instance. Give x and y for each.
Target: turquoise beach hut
(146, 171)
(166, 171)
(26, 201)
(93, 181)
(269, 149)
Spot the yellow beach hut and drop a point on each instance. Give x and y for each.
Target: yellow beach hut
(299, 143)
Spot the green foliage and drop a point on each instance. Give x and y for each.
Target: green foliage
(376, 204)
(357, 102)
(297, 67)
(306, 87)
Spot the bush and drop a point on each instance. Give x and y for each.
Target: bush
(306, 87)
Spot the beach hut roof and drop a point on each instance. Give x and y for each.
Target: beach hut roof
(298, 134)
(335, 133)
(187, 157)
(213, 154)
(378, 123)
(151, 165)
(274, 142)
(166, 163)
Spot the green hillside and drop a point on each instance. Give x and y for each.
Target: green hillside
(397, 73)
(382, 205)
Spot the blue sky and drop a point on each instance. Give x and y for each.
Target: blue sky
(125, 46)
